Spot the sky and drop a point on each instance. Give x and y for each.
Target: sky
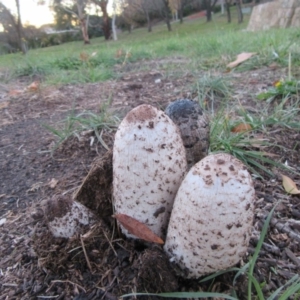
(31, 13)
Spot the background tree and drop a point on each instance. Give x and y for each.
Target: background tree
(106, 27)
(12, 27)
(239, 11)
(163, 7)
(19, 28)
(209, 6)
(64, 19)
(79, 13)
(174, 7)
(135, 10)
(113, 21)
(227, 5)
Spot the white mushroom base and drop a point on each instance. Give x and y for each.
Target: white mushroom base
(212, 217)
(65, 217)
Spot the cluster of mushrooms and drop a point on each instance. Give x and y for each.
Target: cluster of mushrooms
(201, 206)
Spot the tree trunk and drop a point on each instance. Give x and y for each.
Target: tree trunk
(82, 20)
(222, 7)
(149, 25)
(85, 35)
(19, 28)
(106, 24)
(239, 11)
(181, 13)
(209, 7)
(113, 25)
(228, 11)
(166, 12)
(168, 23)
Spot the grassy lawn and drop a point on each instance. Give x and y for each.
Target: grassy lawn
(205, 45)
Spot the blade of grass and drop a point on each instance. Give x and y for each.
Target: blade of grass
(290, 291)
(294, 280)
(252, 262)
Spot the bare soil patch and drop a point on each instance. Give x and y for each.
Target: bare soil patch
(34, 265)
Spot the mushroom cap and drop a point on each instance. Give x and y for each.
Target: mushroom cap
(149, 163)
(65, 216)
(212, 217)
(194, 128)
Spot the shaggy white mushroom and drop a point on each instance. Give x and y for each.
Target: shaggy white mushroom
(149, 163)
(212, 217)
(65, 217)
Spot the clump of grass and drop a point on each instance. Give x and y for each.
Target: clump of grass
(74, 124)
(30, 69)
(239, 144)
(290, 288)
(243, 143)
(209, 87)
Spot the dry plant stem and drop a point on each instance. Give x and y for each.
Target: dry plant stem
(112, 247)
(85, 254)
(269, 248)
(64, 281)
(109, 287)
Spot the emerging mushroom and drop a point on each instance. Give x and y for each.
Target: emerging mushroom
(65, 217)
(212, 217)
(193, 124)
(149, 163)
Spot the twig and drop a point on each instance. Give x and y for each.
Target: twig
(108, 288)
(292, 257)
(270, 248)
(70, 190)
(85, 254)
(112, 247)
(65, 281)
(285, 228)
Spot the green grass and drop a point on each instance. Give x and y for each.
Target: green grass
(75, 124)
(205, 45)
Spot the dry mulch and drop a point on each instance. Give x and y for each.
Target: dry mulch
(101, 264)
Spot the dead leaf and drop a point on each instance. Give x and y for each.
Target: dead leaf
(279, 237)
(33, 87)
(273, 66)
(242, 127)
(14, 93)
(119, 53)
(84, 56)
(289, 185)
(241, 58)
(3, 104)
(53, 182)
(138, 229)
